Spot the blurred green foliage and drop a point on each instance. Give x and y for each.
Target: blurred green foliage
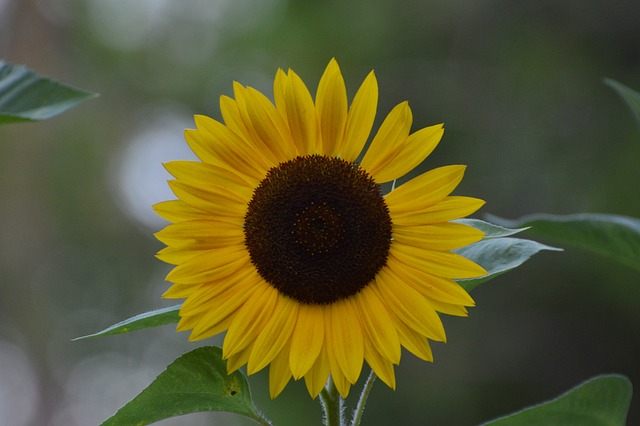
(518, 86)
(26, 96)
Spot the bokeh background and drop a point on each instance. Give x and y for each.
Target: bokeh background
(518, 84)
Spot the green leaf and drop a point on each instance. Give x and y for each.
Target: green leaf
(195, 382)
(146, 320)
(497, 256)
(600, 401)
(25, 96)
(630, 96)
(614, 236)
(490, 230)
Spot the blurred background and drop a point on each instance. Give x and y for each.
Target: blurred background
(518, 86)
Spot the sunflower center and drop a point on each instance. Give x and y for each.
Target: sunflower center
(318, 229)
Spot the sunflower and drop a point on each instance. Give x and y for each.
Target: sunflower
(284, 240)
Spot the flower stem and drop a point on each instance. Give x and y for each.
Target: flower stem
(332, 404)
(359, 410)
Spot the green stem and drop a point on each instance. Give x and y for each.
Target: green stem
(332, 404)
(359, 410)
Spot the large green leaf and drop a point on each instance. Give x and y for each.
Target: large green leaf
(610, 235)
(195, 382)
(148, 319)
(25, 96)
(490, 230)
(496, 253)
(497, 256)
(600, 401)
(630, 96)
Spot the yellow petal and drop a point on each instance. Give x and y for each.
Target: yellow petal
(360, 119)
(179, 291)
(377, 325)
(177, 210)
(341, 383)
(307, 339)
(434, 287)
(271, 150)
(202, 234)
(269, 125)
(236, 118)
(412, 340)
(318, 375)
(279, 372)
(440, 263)
(450, 208)
(339, 380)
(441, 236)
(187, 323)
(301, 115)
(425, 190)
(337, 375)
(205, 330)
(276, 332)
(380, 365)
(249, 320)
(211, 265)
(176, 256)
(415, 342)
(345, 335)
(217, 318)
(203, 297)
(236, 361)
(279, 89)
(203, 145)
(449, 309)
(388, 142)
(227, 148)
(203, 174)
(233, 116)
(215, 200)
(409, 305)
(332, 108)
(417, 147)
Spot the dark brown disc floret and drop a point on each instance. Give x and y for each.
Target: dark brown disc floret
(318, 229)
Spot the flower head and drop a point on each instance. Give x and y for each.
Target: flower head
(283, 240)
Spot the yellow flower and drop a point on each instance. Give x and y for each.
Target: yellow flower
(283, 240)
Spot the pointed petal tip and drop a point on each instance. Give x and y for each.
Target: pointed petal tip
(273, 393)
